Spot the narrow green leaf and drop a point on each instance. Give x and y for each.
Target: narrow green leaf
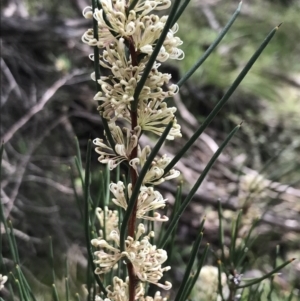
(232, 242)
(67, 286)
(79, 169)
(77, 199)
(221, 231)
(51, 259)
(170, 246)
(28, 288)
(95, 291)
(107, 177)
(249, 295)
(89, 280)
(108, 133)
(136, 189)
(254, 293)
(99, 197)
(54, 292)
(247, 245)
(86, 215)
(178, 199)
(106, 198)
(14, 243)
(260, 292)
(223, 100)
(2, 265)
(290, 297)
(196, 186)
(118, 173)
(12, 295)
(179, 12)
(258, 280)
(95, 3)
(269, 297)
(236, 225)
(20, 290)
(193, 281)
(153, 56)
(21, 284)
(220, 288)
(3, 220)
(78, 152)
(132, 5)
(1, 155)
(27, 292)
(211, 48)
(189, 267)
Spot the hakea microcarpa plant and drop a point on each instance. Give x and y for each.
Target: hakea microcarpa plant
(132, 100)
(127, 39)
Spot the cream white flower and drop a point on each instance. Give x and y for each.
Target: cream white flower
(148, 200)
(125, 141)
(3, 279)
(157, 297)
(108, 219)
(147, 32)
(154, 117)
(88, 12)
(118, 89)
(98, 298)
(206, 286)
(136, 25)
(119, 291)
(144, 7)
(120, 24)
(155, 174)
(145, 258)
(128, 37)
(171, 43)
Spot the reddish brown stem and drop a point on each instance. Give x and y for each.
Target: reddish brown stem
(133, 175)
(133, 280)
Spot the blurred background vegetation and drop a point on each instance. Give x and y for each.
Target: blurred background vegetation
(47, 100)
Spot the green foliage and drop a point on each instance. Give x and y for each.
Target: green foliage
(223, 65)
(268, 98)
(232, 259)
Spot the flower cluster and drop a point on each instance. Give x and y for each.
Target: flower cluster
(126, 35)
(108, 219)
(119, 292)
(118, 29)
(146, 259)
(148, 200)
(206, 287)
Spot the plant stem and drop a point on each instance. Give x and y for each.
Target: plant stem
(132, 220)
(133, 176)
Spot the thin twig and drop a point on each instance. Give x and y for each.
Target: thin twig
(38, 107)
